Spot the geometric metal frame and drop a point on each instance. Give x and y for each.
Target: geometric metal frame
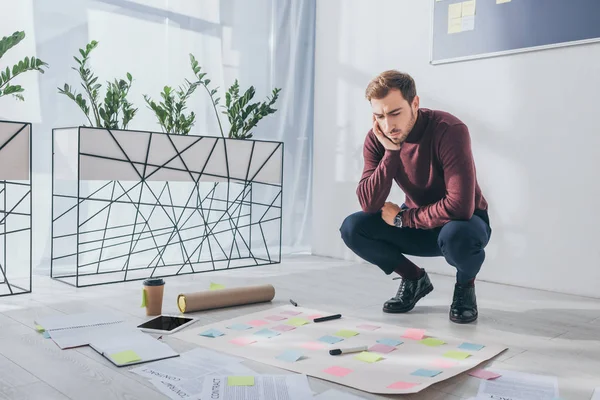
(123, 194)
(15, 206)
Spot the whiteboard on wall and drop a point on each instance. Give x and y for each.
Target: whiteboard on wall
(464, 30)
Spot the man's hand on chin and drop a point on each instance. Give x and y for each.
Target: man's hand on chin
(389, 212)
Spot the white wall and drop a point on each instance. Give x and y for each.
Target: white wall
(536, 139)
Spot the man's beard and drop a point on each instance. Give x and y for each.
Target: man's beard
(407, 131)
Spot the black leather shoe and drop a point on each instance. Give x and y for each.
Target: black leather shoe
(464, 304)
(409, 292)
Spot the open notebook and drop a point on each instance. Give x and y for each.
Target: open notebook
(118, 341)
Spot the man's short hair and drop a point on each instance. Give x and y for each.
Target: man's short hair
(381, 85)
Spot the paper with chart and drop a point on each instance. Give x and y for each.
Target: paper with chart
(513, 385)
(397, 360)
(258, 387)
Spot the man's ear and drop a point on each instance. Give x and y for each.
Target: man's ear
(415, 104)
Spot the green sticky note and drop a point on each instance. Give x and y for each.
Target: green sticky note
(367, 356)
(39, 329)
(432, 342)
(240, 380)
(125, 357)
(216, 286)
(144, 298)
(296, 321)
(345, 333)
(457, 355)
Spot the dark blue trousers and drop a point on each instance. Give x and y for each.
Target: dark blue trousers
(461, 243)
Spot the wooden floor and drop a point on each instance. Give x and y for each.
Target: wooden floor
(546, 333)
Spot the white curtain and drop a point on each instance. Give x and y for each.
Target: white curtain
(264, 43)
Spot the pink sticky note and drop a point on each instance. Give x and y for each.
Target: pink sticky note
(258, 322)
(283, 328)
(275, 318)
(337, 371)
(311, 317)
(402, 385)
(444, 363)
(416, 334)
(368, 327)
(313, 346)
(382, 348)
(242, 341)
(291, 313)
(483, 374)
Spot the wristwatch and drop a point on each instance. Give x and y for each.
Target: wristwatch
(398, 219)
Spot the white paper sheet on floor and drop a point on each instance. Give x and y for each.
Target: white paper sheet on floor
(266, 387)
(519, 386)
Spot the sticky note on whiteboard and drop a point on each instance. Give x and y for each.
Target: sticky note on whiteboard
(502, 1)
(455, 10)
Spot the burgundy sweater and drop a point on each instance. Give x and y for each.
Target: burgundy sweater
(434, 168)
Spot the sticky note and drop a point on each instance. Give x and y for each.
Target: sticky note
(144, 298)
(297, 321)
(290, 356)
(441, 363)
(367, 356)
(213, 333)
(283, 328)
(267, 333)
(292, 313)
(415, 334)
(46, 335)
(312, 317)
(338, 371)
(468, 8)
(382, 348)
(39, 329)
(502, 1)
(432, 342)
(239, 327)
(240, 381)
(242, 341)
(216, 286)
(455, 10)
(312, 345)
(455, 25)
(330, 339)
(484, 374)
(345, 333)
(429, 373)
(471, 346)
(457, 355)
(125, 357)
(257, 322)
(368, 327)
(390, 342)
(468, 23)
(402, 385)
(275, 318)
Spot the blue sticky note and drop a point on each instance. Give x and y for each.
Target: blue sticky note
(213, 333)
(267, 333)
(390, 342)
(471, 346)
(429, 373)
(239, 327)
(330, 339)
(290, 356)
(46, 335)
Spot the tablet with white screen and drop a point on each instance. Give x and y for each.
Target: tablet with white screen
(166, 324)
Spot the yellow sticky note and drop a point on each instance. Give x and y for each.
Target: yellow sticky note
(296, 321)
(468, 8)
(144, 298)
(502, 1)
(39, 329)
(345, 333)
(125, 357)
(240, 380)
(455, 10)
(457, 355)
(216, 286)
(367, 356)
(432, 342)
(455, 25)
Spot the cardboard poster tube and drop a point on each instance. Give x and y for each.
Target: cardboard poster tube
(210, 299)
